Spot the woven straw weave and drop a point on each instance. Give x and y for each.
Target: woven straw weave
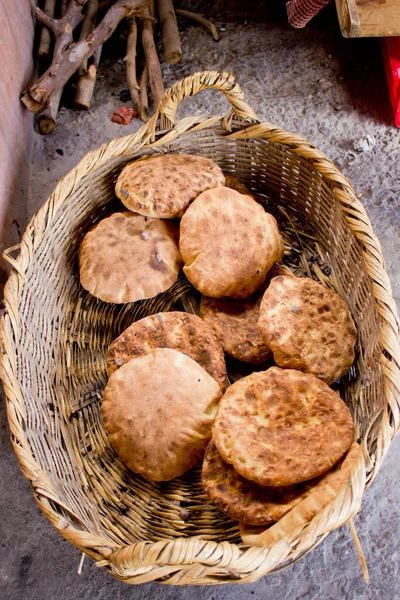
(55, 336)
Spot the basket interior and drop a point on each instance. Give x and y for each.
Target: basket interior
(65, 333)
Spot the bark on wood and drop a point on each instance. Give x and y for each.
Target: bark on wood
(170, 32)
(86, 82)
(199, 18)
(47, 120)
(87, 72)
(68, 55)
(45, 36)
(64, 6)
(131, 74)
(144, 100)
(103, 4)
(152, 62)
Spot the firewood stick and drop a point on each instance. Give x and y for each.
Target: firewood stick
(150, 52)
(130, 61)
(87, 81)
(103, 4)
(89, 23)
(152, 11)
(144, 101)
(87, 74)
(47, 120)
(68, 55)
(170, 32)
(200, 19)
(45, 35)
(63, 30)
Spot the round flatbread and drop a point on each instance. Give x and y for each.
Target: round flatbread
(244, 500)
(308, 327)
(177, 330)
(280, 427)
(235, 322)
(127, 257)
(318, 496)
(235, 184)
(228, 243)
(163, 186)
(158, 410)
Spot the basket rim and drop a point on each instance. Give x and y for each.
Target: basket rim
(207, 559)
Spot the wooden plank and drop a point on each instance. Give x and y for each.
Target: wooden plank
(369, 18)
(16, 123)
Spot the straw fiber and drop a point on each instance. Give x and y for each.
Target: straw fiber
(55, 337)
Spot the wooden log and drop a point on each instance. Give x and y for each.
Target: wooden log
(144, 101)
(170, 32)
(45, 35)
(47, 120)
(69, 55)
(131, 68)
(87, 73)
(86, 83)
(152, 61)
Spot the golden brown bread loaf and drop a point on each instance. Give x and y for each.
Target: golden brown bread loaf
(244, 500)
(127, 257)
(236, 324)
(164, 185)
(177, 330)
(308, 327)
(228, 243)
(158, 410)
(231, 181)
(279, 427)
(317, 498)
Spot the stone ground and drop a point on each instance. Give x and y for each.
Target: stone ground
(333, 92)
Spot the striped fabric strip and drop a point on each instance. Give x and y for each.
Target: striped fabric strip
(301, 11)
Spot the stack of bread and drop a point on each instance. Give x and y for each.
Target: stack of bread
(274, 440)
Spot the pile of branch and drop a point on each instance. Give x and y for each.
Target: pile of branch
(73, 33)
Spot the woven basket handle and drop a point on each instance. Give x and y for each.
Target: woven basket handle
(12, 261)
(224, 82)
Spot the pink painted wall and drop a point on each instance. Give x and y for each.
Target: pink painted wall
(16, 123)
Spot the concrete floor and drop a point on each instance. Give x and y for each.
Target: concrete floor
(333, 92)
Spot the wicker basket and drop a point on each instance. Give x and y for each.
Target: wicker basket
(55, 337)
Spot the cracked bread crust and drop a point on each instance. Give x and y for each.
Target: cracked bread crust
(158, 410)
(308, 327)
(280, 427)
(228, 243)
(244, 500)
(126, 257)
(163, 186)
(177, 330)
(235, 322)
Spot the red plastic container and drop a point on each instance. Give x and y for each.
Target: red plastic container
(391, 55)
